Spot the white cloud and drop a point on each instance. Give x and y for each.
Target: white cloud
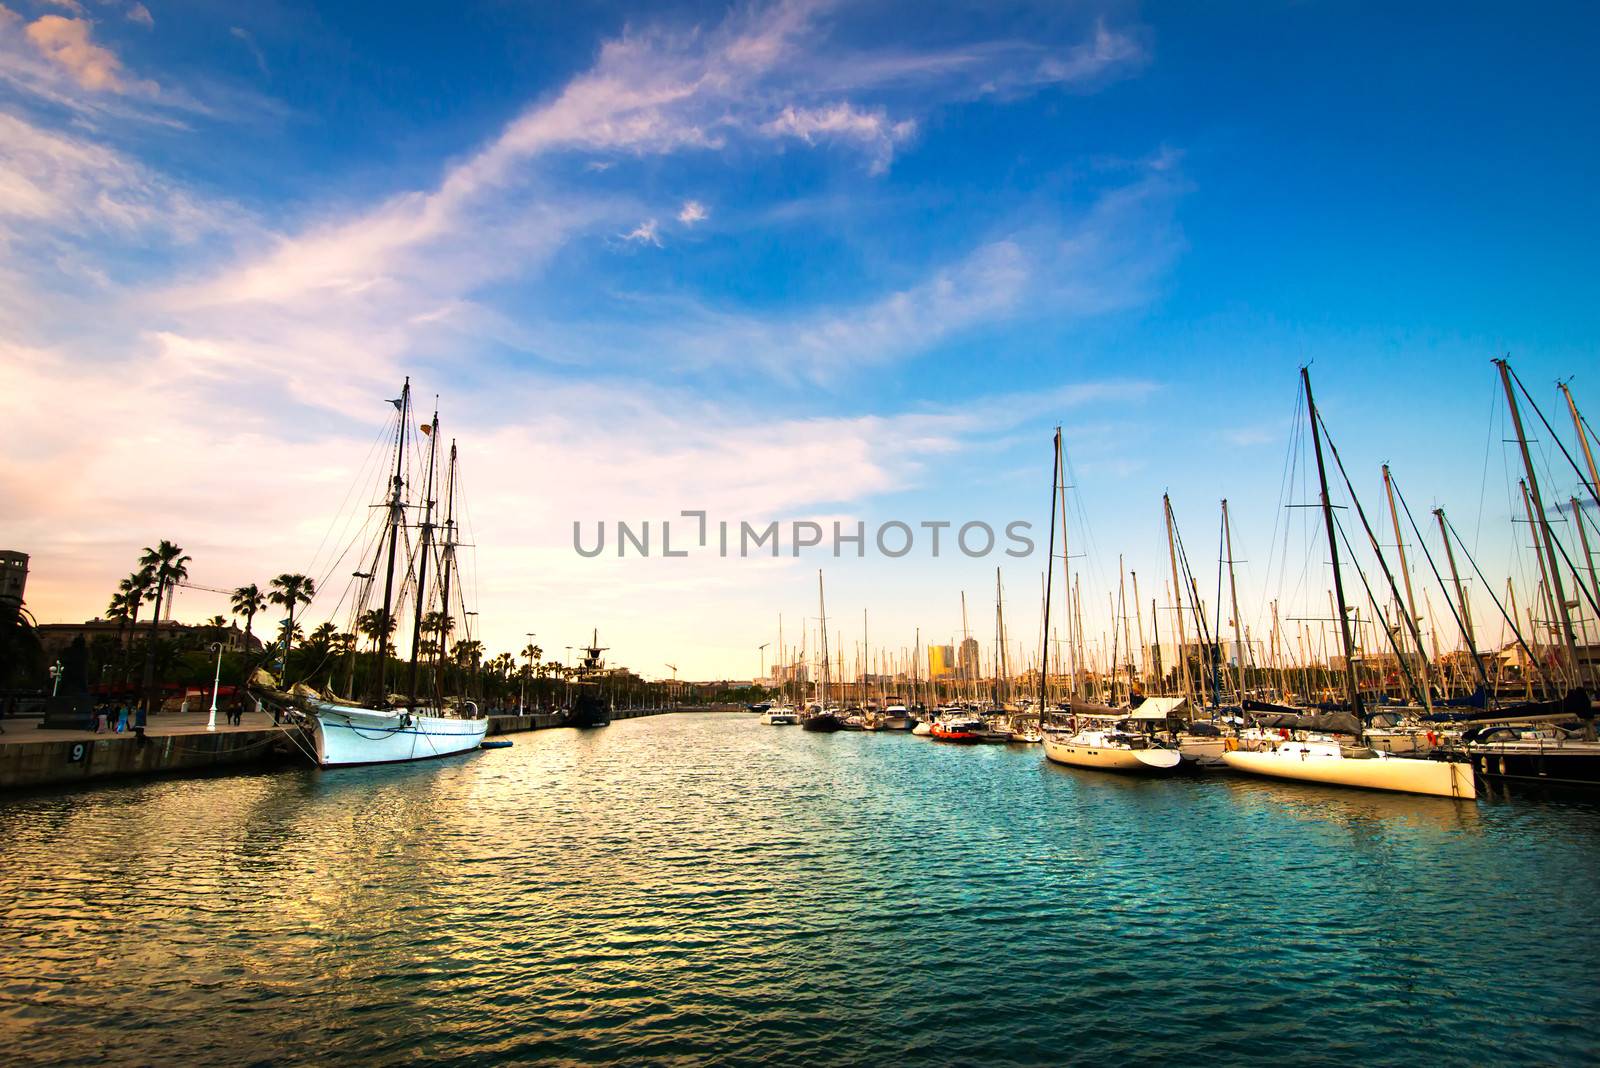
(693, 212)
(644, 233)
(66, 43)
(843, 121)
(140, 14)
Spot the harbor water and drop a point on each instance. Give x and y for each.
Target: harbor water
(702, 888)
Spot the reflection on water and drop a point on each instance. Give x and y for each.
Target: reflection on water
(695, 887)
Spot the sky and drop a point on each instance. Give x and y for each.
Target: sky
(779, 261)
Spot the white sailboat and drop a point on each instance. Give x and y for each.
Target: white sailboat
(351, 734)
(1323, 758)
(1326, 760)
(1109, 749)
(346, 732)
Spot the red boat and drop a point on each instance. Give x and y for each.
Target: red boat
(958, 730)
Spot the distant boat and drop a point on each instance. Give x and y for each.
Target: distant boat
(822, 721)
(783, 716)
(589, 706)
(963, 729)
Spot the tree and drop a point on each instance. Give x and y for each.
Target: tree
(290, 591)
(217, 622)
(247, 601)
(170, 566)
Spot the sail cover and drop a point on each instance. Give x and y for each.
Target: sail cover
(1161, 708)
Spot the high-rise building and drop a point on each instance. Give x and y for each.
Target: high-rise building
(941, 661)
(969, 658)
(13, 575)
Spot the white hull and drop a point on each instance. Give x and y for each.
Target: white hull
(780, 719)
(1316, 763)
(348, 735)
(1072, 752)
(1202, 750)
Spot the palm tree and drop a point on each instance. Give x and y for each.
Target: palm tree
(291, 591)
(247, 601)
(218, 622)
(375, 625)
(135, 590)
(171, 566)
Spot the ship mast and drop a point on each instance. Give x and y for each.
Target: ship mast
(447, 559)
(424, 548)
(1543, 539)
(1177, 600)
(1354, 690)
(397, 516)
(1049, 577)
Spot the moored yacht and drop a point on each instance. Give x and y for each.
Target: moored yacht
(1325, 759)
(1107, 748)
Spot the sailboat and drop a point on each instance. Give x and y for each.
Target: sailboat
(822, 718)
(588, 706)
(1324, 758)
(1098, 743)
(347, 732)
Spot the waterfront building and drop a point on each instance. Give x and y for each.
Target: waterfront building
(969, 658)
(54, 638)
(941, 661)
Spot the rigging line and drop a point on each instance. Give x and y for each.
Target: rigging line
(1488, 446)
(1283, 490)
(361, 478)
(1583, 479)
(1394, 590)
(1490, 591)
(1383, 617)
(1466, 634)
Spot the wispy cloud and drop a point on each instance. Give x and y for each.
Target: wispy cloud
(844, 122)
(242, 35)
(645, 234)
(693, 212)
(138, 13)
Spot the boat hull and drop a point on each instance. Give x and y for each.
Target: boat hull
(1101, 758)
(1434, 778)
(1566, 765)
(346, 737)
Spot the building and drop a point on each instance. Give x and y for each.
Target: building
(941, 661)
(969, 658)
(13, 576)
(54, 638)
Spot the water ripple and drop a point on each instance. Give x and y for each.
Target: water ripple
(704, 890)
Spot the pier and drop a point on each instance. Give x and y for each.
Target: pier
(179, 743)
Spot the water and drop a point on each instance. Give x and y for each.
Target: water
(698, 889)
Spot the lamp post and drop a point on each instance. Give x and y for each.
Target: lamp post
(216, 682)
(56, 671)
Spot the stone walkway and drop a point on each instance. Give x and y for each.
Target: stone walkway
(162, 725)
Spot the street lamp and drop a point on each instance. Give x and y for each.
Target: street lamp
(216, 682)
(56, 671)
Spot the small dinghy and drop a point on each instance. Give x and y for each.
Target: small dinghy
(495, 743)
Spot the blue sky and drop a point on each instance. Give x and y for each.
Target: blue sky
(774, 260)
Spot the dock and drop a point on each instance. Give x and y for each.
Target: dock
(177, 743)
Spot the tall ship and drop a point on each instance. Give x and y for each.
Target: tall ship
(589, 706)
(411, 558)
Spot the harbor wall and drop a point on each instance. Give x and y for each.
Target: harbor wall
(67, 761)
